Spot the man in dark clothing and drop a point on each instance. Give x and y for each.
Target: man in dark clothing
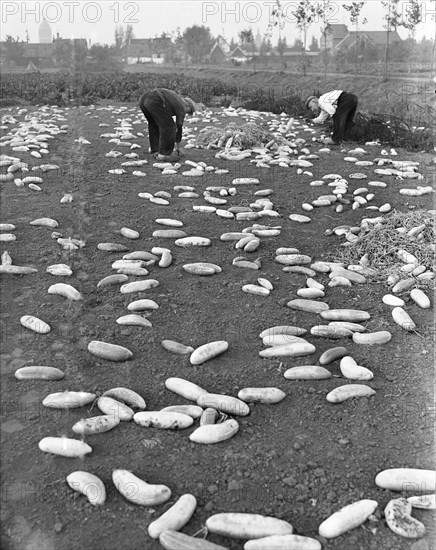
(159, 107)
(341, 106)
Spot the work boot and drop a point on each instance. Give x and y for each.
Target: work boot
(168, 158)
(330, 141)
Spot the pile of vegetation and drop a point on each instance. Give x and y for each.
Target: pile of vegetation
(390, 130)
(244, 136)
(379, 244)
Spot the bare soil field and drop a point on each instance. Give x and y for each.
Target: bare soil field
(301, 459)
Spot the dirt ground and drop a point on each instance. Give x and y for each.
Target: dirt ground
(301, 459)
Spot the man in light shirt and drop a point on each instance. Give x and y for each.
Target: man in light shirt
(340, 106)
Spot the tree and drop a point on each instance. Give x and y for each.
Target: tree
(70, 53)
(401, 51)
(102, 58)
(277, 19)
(281, 47)
(266, 45)
(123, 37)
(14, 50)
(325, 57)
(314, 45)
(305, 16)
(340, 58)
(324, 10)
(265, 48)
(297, 45)
(99, 53)
(247, 39)
(174, 55)
(128, 35)
(119, 37)
(354, 10)
(63, 52)
(413, 18)
(371, 52)
(425, 50)
(79, 53)
(197, 42)
(394, 19)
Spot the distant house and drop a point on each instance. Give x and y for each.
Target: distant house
(335, 34)
(48, 54)
(338, 37)
(40, 54)
(148, 50)
(11, 54)
(217, 55)
(37, 55)
(75, 42)
(31, 67)
(368, 38)
(239, 56)
(220, 51)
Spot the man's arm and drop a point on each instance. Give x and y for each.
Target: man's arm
(180, 118)
(179, 124)
(323, 116)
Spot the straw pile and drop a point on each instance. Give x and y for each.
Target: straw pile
(380, 243)
(390, 130)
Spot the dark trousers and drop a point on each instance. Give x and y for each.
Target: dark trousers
(343, 118)
(161, 126)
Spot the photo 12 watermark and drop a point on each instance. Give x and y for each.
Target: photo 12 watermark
(70, 12)
(254, 12)
(289, 12)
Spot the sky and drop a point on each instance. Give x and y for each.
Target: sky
(97, 20)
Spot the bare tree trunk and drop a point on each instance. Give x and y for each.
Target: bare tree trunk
(385, 76)
(355, 51)
(411, 51)
(432, 57)
(303, 52)
(325, 55)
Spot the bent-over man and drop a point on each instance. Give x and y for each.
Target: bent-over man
(339, 105)
(159, 107)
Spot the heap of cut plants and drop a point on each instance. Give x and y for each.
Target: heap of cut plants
(390, 130)
(414, 232)
(245, 136)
